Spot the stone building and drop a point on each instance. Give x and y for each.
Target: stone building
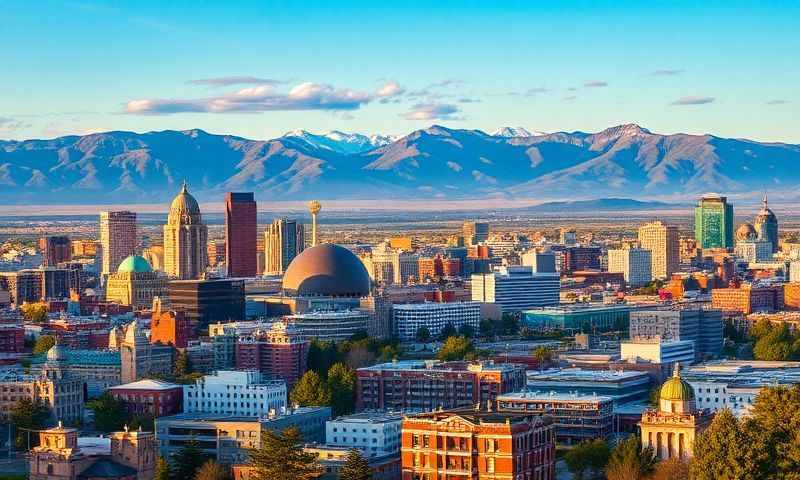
(185, 238)
(140, 358)
(136, 284)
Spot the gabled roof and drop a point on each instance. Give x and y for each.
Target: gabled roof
(107, 469)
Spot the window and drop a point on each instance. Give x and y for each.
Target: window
(490, 465)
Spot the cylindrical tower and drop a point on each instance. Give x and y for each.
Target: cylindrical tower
(314, 207)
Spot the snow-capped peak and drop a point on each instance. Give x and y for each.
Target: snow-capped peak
(512, 132)
(341, 142)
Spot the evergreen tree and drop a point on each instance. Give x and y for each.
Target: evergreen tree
(728, 450)
(342, 388)
(163, 470)
(672, 469)
(212, 470)
(629, 461)
(109, 413)
(356, 467)
(543, 356)
(311, 390)
(43, 344)
(281, 457)
(188, 460)
(321, 355)
(776, 416)
(30, 416)
(486, 328)
(466, 330)
(588, 457)
(183, 365)
(448, 331)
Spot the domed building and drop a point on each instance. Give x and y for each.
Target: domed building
(671, 429)
(185, 238)
(766, 225)
(746, 233)
(136, 284)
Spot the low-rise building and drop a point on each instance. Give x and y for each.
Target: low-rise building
(622, 386)
(701, 325)
(655, 350)
(578, 317)
(748, 299)
(516, 288)
(99, 370)
(236, 393)
(434, 316)
(373, 433)
(150, 398)
(334, 325)
(332, 458)
(279, 352)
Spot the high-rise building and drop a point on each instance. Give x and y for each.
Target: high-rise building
(766, 226)
(280, 352)
(185, 238)
(241, 232)
(634, 263)
(475, 232)
(516, 288)
(284, 239)
(117, 239)
(207, 301)
(713, 222)
(216, 252)
(663, 242)
(55, 250)
(703, 326)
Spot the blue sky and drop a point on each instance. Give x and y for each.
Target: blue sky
(259, 69)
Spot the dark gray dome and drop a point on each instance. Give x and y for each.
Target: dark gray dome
(326, 270)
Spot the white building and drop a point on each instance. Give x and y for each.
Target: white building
(410, 317)
(541, 262)
(634, 263)
(237, 393)
(657, 351)
(373, 433)
(325, 325)
(756, 251)
(516, 288)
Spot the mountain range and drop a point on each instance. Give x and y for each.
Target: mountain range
(433, 163)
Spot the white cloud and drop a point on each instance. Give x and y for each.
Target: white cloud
(432, 111)
(693, 100)
(390, 89)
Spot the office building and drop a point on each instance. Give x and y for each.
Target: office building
(580, 258)
(703, 326)
(748, 299)
(713, 222)
(208, 301)
(436, 267)
(333, 325)
(587, 318)
(280, 352)
(516, 288)
(381, 264)
(170, 328)
(241, 232)
(576, 417)
(409, 318)
(331, 459)
(754, 251)
(414, 384)
(185, 238)
(149, 398)
(766, 226)
(622, 386)
(226, 438)
(475, 232)
(84, 249)
(672, 429)
(655, 350)
(284, 239)
(55, 250)
(634, 263)
(117, 239)
(663, 242)
(541, 262)
(136, 284)
(374, 433)
(237, 393)
(477, 444)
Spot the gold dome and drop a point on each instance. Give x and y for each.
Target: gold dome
(677, 389)
(184, 209)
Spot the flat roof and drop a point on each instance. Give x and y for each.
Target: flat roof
(369, 417)
(555, 396)
(432, 305)
(221, 417)
(579, 374)
(575, 308)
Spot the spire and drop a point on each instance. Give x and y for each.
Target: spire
(184, 187)
(676, 372)
(765, 201)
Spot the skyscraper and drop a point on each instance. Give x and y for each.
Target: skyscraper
(664, 244)
(475, 232)
(284, 239)
(241, 232)
(767, 226)
(713, 222)
(185, 238)
(55, 250)
(117, 239)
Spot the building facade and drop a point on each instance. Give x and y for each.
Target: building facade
(333, 325)
(149, 398)
(578, 318)
(766, 226)
(475, 232)
(409, 318)
(284, 239)
(663, 241)
(713, 222)
(136, 284)
(237, 393)
(55, 250)
(208, 301)
(185, 238)
(703, 326)
(372, 433)
(281, 352)
(517, 288)
(117, 239)
(634, 263)
(241, 232)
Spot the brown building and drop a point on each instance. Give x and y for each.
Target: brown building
(280, 352)
(241, 234)
(84, 248)
(414, 384)
(216, 252)
(151, 398)
(12, 338)
(170, 328)
(580, 258)
(791, 296)
(477, 444)
(747, 299)
(55, 250)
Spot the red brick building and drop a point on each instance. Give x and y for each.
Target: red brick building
(241, 235)
(12, 338)
(151, 398)
(55, 250)
(415, 384)
(170, 328)
(79, 333)
(747, 299)
(280, 352)
(474, 444)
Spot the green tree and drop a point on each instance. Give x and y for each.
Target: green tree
(486, 328)
(455, 348)
(774, 345)
(775, 416)
(212, 470)
(281, 457)
(448, 331)
(188, 460)
(321, 355)
(588, 457)
(543, 355)
(311, 390)
(43, 344)
(466, 330)
(729, 450)
(387, 353)
(629, 461)
(163, 470)
(34, 312)
(28, 415)
(423, 334)
(109, 413)
(672, 469)
(509, 324)
(183, 365)
(342, 388)
(355, 467)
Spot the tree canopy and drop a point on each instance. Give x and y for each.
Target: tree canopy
(34, 312)
(281, 457)
(43, 344)
(109, 413)
(455, 348)
(587, 458)
(310, 390)
(28, 415)
(212, 470)
(355, 467)
(188, 460)
(629, 461)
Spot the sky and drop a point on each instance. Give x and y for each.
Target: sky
(259, 69)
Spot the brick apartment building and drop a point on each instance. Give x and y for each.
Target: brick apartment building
(748, 299)
(280, 352)
(477, 444)
(152, 398)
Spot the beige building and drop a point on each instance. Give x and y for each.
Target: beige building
(671, 429)
(117, 239)
(634, 263)
(663, 242)
(154, 254)
(136, 284)
(284, 239)
(138, 357)
(185, 238)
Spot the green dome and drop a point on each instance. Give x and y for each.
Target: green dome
(134, 264)
(677, 389)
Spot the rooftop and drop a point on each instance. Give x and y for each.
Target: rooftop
(581, 375)
(441, 366)
(576, 308)
(146, 384)
(370, 417)
(555, 397)
(221, 417)
(472, 415)
(432, 305)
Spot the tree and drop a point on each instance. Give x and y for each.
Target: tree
(321, 355)
(342, 388)
(43, 344)
(34, 312)
(587, 457)
(775, 416)
(466, 330)
(188, 460)
(355, 467)
(28, 415)
(455, 348)
(281, 457)
(310, 390)
(629, 461)
(359, 356)
(774, 345)
(509, 324)
(212, 470)
(109, 413)
(729, 449)
(448, 331)
(543, 355)
(486, 328)
(183, 365)
(672, 469)
(423, 334)
(163, 470)
(387, 353)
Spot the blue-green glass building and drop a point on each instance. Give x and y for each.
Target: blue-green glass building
(579, 318)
